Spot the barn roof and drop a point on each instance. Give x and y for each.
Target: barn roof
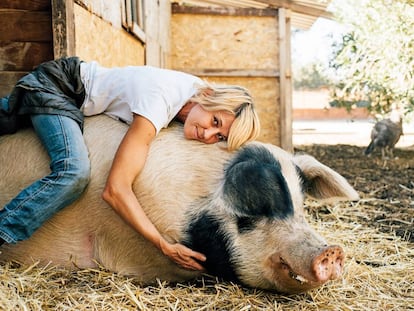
(303, 12)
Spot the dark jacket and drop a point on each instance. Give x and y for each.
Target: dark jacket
(54, 87)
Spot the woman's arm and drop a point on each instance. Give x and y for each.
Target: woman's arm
(127, 165)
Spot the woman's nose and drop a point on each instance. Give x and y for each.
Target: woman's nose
(210, 132)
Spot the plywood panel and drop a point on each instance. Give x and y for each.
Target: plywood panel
(265, 95)
(99, 40)
(25, 26)
(23, 56)
(233, 49)
(226, 42)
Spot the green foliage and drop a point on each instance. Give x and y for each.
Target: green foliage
(311, 76)
(375, 61)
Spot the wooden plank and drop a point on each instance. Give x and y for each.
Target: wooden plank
(285, 81)
(30, 5)
(24, 56)
(63, 25)
(298, 8)
(219, 72)
(153, 50)
(225, 11)
(164, 35)
(25, 26)
(8, 79)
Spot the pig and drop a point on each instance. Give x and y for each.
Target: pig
(242, 209)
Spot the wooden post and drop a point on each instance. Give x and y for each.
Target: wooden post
(157, 31)
(63, 28)
(285, 83)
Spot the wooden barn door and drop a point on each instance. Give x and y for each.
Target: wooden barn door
(26, 38)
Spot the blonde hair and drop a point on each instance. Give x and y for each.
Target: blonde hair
(237, 101)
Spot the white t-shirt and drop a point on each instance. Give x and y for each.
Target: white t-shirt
(154, 93)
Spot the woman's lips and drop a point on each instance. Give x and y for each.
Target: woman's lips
(196, 136)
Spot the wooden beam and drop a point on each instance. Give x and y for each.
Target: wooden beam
(298, 8)
(225, 11)
(285, 81)
(219, 72)
(63, 28)
(153, 50)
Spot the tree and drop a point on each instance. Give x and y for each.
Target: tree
(311, 69)
(310, 76)
(375, 60)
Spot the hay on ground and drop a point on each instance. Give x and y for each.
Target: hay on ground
(379, 275)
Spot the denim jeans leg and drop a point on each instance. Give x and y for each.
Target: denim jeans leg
(69, 176)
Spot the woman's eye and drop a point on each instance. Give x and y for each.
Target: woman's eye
(215, 121)
(221, 137)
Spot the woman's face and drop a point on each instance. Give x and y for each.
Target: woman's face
(207, 127)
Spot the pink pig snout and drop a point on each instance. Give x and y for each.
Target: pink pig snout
(328, 265)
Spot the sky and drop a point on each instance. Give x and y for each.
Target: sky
(314, 46)
(315, 43)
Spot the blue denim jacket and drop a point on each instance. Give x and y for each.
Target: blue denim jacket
(8, 119)
(54, 87)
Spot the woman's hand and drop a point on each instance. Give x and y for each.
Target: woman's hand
(182, 255)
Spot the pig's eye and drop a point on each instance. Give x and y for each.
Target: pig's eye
(285, 266)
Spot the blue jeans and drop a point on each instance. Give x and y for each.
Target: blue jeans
(69, 176)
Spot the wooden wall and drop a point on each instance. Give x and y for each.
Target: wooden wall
(100, 35)
(26, 38)
(249, 47)
(237, 46)
(108, 43)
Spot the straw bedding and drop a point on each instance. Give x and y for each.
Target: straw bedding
(376, 233)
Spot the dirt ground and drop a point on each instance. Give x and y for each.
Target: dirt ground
(386, 187)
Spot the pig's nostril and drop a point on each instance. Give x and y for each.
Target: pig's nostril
(328, 264)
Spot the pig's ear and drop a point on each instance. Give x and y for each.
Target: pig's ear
(323, 182)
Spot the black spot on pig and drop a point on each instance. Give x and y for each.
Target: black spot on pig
(254, 189)
(255, 186)
(246, 224)
(204, 234)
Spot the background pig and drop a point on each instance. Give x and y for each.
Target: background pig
(244, 210)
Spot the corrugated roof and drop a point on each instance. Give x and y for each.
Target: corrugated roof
(303, 13)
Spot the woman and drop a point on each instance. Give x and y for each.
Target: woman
(56, 96)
